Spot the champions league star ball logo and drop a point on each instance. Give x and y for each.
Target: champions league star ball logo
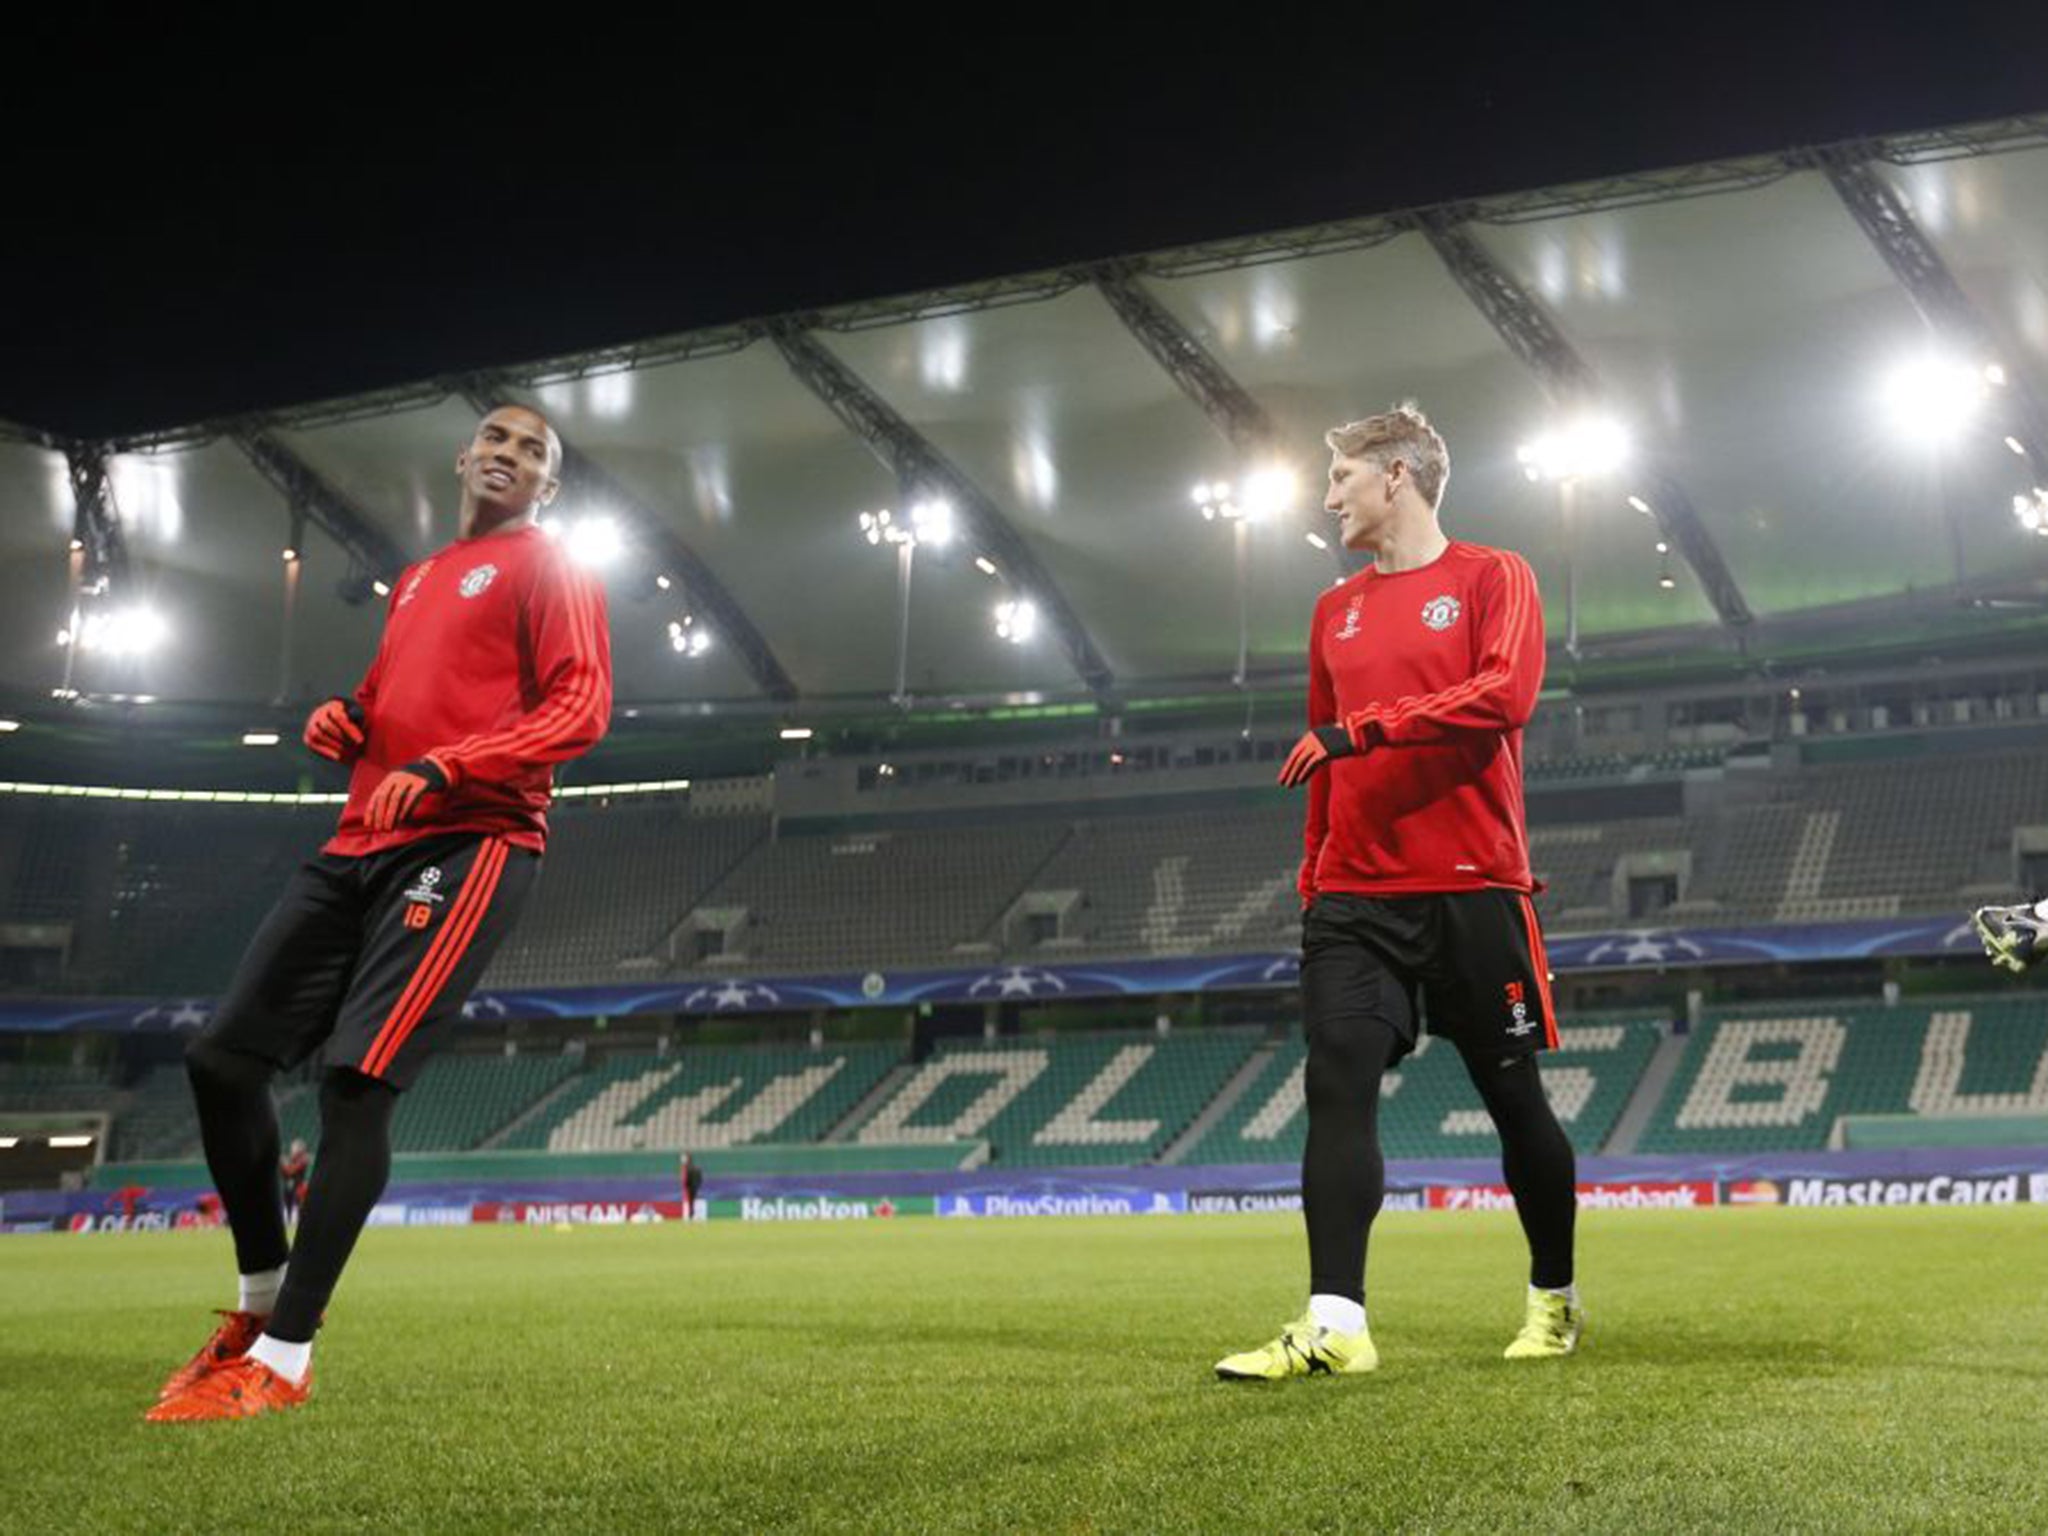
(1646, 946)
(732, 994)
(187, 1013)
(485, 1007)
(475, 581)
(1017, 981)
(1286, 968)
(1440, 613)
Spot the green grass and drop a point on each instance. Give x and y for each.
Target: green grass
(1744, 1370)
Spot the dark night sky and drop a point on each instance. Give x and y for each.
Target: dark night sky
(222, 216)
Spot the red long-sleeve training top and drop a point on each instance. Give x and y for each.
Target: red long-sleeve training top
(1433, 673)
(496, 658)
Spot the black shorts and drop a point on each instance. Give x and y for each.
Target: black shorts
(375, 956)
(1472, 962)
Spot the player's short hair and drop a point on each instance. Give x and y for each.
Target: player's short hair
(1403, 433)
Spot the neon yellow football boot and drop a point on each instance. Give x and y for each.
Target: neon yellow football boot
(1304, 1348)
(1551, 1328)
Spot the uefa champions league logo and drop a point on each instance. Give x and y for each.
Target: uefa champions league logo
(1646, 946)
(731, 994)
(484, 1006)
(1016, 981)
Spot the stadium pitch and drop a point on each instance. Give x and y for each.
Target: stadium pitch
(1744, 1369)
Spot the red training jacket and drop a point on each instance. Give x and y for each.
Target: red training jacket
(1433, 672)
(496, 658)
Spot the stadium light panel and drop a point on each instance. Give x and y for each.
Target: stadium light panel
(1932, 394)
(700, 641)
(381, 588)
(1017, 621)
(9, 725)
(290, 555)
(2016, 446)
(259, 738)
(986, 566)
(796, 733)
(1318, 541)
(932, 522)
(1665, 581)
(123, 631)
(1585, 448)
(1269, 492)
(70, 1141)
(595, 542)
(9, 1143)
(663, 582)
(1640, 505)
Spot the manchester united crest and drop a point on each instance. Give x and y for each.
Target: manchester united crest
(1440, 613)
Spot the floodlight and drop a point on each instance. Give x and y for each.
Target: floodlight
(9, 725)
(1269, 492)
(2016, 446)
(381, 588)
(933, 522)
(1016, 621)
(595, 541)
(1318, 541)
(796, 733)
(259, 738)
(123, 632)
(700, 641)
(985, 565)
(290, 555)
(1588, 446)
(663, 582)
(1932, 394)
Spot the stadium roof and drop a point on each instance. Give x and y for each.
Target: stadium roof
(1738, 318)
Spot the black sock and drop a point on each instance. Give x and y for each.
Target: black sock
(1537, 1159)
(1343, 1177)
(238, 1127)
(349, 1173)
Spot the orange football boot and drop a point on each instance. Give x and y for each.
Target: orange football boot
(240, 1389)
(230, 1341)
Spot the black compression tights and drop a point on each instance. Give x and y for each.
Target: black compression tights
(238, 1127)
(1343, 1178)
(349, 1173)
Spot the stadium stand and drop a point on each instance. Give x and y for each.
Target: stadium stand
(859, 900)
(158, 900)
(615, 889)
(703, 1098)
(1180, 884)
(1770, 1079)
(1110, 1098)
(1428, 1107)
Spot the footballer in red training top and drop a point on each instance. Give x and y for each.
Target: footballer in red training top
(495, 665)
(1415, 884)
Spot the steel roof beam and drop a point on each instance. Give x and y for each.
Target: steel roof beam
(919, 465)
(1889, 225)
(375, 555)
(709, 599)
(1570, 381)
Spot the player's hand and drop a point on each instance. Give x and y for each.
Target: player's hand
(401, 790)
(1315, 748)
(335, 731)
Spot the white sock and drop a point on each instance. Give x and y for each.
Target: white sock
(259, 1291)
(291, 1361)
(1339, 1314)
(1569, 1292)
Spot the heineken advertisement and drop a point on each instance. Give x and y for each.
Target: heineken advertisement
(819, 1208)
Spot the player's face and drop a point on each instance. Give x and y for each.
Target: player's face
(510, 464)
(1362, 497)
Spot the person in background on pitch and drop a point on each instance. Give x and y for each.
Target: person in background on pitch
(1415, 882)
(692, 1181)
(494, 665)
(291, 1172)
